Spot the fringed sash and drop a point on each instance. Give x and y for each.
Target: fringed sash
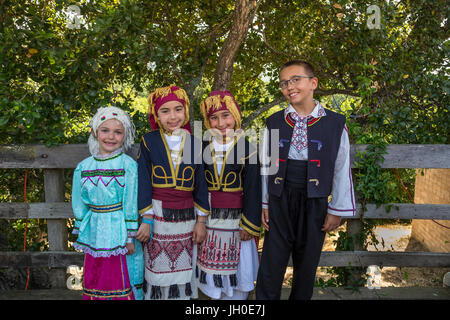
(173, 199)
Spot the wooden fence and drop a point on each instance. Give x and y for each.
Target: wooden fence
(54, 160)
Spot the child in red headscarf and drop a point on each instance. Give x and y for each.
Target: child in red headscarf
(172, 197)
(228, 258)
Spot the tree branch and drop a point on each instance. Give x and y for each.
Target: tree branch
(243, 15)
(255, 114)
(271, 48)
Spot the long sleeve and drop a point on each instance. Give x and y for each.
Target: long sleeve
(79, 208)
(144, 178)
(265, 163)
(200, 192)
(251, 216)
(130, 198)
(343, 197)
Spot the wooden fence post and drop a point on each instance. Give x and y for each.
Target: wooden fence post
(354, 227)
(56, 228)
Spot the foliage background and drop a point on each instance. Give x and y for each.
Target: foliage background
(391, 83)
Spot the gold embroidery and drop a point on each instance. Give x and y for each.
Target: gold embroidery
(225, 183)
(164, 177)
(174, 172)
(183, 179)
(249, 230)
(163, 92)
(221, 180)
(145, 144)
(201, 208)
(210, 180)
(145, 209)
(249, 223)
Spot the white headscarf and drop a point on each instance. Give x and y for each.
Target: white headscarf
(107, 113)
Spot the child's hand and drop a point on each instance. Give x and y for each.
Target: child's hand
(143, 234)
(244, 235)
(130, 248)
(331, 222)
(199, 233)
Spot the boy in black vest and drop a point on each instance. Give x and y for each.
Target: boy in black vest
(313, 163)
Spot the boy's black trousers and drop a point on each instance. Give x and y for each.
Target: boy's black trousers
(294, 227)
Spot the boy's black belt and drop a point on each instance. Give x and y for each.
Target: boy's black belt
(297, 173)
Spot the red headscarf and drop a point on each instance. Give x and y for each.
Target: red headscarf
(218, 101)
(163, 95)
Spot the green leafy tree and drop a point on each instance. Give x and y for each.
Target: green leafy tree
(57, 68)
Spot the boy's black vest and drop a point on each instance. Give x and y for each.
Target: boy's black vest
(324, 137)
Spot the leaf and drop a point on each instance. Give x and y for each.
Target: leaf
(337, 6)
(3, 121)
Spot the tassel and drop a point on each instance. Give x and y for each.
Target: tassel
(144, 287)
(232, 107)
(155, 293)
(174, 291)
(178, 215)
(218, 281)
(203, 277)
(188, 289)
(226, 213)
(233, 280)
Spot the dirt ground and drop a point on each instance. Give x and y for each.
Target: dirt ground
(396, 238)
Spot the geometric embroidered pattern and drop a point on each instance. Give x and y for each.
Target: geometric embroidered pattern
(168, 253)
(107, 173)
(103, 172)
(220, 251)
(104, 183)
(107, 294)
(299, 135)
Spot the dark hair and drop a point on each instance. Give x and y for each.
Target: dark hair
(306, 65)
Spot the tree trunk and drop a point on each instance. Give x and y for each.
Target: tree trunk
(243, 16)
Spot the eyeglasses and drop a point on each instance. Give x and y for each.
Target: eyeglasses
(284, 84)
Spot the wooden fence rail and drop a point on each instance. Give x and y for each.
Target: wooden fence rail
(63, 210)
(55, 159)
(68, 156)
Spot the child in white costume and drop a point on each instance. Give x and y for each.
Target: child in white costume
(228, 259)
(172, 197)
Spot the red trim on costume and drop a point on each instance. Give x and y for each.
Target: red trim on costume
(313, 120)
(318, 162)
(278, 161)
(289, 120)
